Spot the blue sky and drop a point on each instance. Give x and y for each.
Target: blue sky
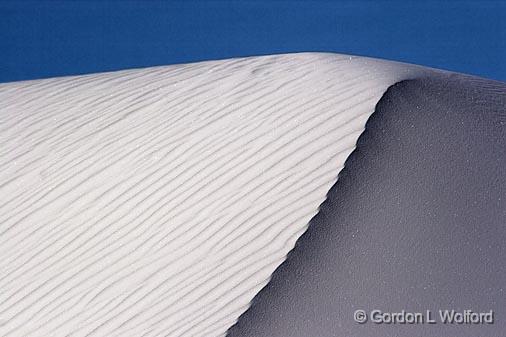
(53, 38)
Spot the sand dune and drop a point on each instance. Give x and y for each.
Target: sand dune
(160, 201)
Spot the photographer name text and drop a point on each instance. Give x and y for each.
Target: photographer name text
(445, 316)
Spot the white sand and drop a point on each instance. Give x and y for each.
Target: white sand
(158, 202)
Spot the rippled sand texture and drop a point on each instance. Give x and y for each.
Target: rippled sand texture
(159, 201)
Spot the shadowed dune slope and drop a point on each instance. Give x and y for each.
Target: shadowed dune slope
(416, 221)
